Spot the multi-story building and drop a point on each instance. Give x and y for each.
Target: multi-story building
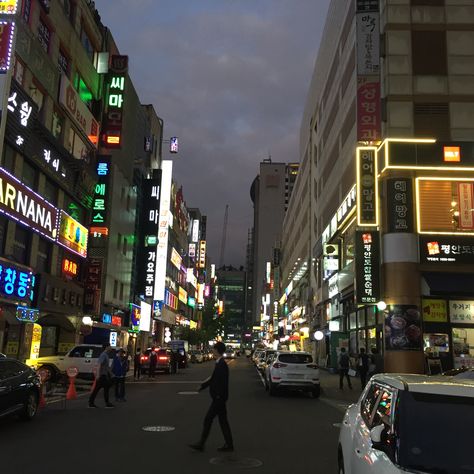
(270, 193)
(385, 145)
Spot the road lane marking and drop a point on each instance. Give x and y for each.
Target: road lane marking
(261, 377)
(232, 461)
(169, 382)
(161, 429)
(188, 393)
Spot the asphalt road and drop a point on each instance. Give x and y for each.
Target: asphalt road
(285, 434)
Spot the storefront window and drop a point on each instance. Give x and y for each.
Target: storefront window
(463, 347)
(353, 321)
(371, 339)
(361, 318)
(371, 313)
(362, 340)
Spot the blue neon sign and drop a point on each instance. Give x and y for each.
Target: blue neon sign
(16, 282)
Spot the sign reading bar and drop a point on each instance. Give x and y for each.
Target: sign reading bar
(400, 214)
(446, 249)
(367, 188)
(367, 247)
(78, 111)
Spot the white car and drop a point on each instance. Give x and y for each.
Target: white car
(409, 423)
(256, 355)
(263, 360)
(292, 371)
(83, 356)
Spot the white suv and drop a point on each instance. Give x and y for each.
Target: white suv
(292, 371)
(409, 423)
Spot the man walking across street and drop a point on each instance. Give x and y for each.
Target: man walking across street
(137, 365)
(344, 365)
(218, 384)
(104, 379)
(120, 369)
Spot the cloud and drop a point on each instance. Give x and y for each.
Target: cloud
(230, 79)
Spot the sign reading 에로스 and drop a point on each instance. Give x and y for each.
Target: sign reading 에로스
(367, 189)
(367, 260)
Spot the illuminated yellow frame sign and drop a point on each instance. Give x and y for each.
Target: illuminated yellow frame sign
(418, 215)
(367, 187)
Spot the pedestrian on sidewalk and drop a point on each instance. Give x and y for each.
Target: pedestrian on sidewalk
(218, 384)
(344, 366)
(119, 370)
(104, 380)
(153, 361)
(363, 366)
(137, 365)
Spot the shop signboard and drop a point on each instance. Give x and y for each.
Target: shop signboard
(183, 295)
(100, 202)
(446, 249)
(367, 187)
(461, 312)
(135, 316)
(8, 7)
(27, 315)
(202, 254)
(367, 271)
(176, 258)
(330, 259)
(367, 5)
(466, 205)
(81, 116)
(22, 204)
(145, 316)
(69, 267)
(35, 341)
(434, 310)
(192, 250)
(369, 128)
(402, 329)
(400, 215)
(73, 235)
(17, 283)
(195, 231)
(368, 43)
(93, 285)
(7, 31)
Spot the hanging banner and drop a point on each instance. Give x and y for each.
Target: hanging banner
(367, 260)
(369, 122)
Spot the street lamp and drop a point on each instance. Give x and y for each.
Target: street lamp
(319, 335)
(381, 305)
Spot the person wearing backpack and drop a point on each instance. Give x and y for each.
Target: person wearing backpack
(344, 366)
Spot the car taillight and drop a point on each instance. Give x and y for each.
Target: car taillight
(312, 366)
(162, 358)
(144, 358)
(279, 365)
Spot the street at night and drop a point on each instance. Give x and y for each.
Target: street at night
(276, 431)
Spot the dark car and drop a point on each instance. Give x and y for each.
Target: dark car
(163, 360)
(19, 389)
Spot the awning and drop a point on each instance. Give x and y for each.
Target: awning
(450, 284)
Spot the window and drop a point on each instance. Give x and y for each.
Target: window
(9, 158)
(29, 175)
(69, 9)
(125, 244)
(63, 62)
(44, 35)
(87, 43)
(84, 92)
(26, 12)
(50, 192)
(429, 64)
(432, 120)
(115, 288)
(76, 146)
(295, 358)
(19, 71)
(44, 256)
(38, 96)
(11, 368)
(21, 244)
(119, 241)
(368, 403)
(57, 124)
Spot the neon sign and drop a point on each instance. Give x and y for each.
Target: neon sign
(8, 7)
(69, 267)
(73, 235)
(7, 30)
(16, 282)
(27, 315)
(100, 200)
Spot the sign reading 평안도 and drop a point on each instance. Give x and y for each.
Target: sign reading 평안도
(367, 262)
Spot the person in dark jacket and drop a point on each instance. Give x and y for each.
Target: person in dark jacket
(218, 384)
(344, 366)
(363, 366)
(137, 365)
(153, 362)
(119, 370)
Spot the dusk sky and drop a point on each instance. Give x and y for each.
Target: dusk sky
(229, 78)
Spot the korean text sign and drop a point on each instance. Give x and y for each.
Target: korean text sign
(16, 282)
(367, 248)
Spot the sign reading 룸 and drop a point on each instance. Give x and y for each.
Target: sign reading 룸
(101, 194)
(367, 261)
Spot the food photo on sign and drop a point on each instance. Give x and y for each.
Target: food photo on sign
(402, 329)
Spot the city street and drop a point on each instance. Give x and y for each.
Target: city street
(287, 433)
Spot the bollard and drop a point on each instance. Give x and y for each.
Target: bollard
(71, 391)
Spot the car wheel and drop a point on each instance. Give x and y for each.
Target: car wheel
(30, 407)
(316, 392)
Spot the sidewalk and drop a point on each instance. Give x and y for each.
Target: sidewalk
(330, 388)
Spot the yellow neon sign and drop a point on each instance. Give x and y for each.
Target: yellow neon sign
(361, 185)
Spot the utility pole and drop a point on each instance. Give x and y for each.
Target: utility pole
(224, 236)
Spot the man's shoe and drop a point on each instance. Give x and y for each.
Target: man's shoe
(109, 405)
(92, 405)
(197, 447)
(226, 449)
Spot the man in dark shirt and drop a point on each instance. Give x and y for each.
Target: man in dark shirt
(218, 384)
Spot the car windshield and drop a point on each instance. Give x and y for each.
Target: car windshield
(295, 358)
(426, 425)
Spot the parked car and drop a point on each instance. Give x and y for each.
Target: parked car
(83, 356)
(19, 389)
(256, 355)
(293, 371)
(262, 361)
(163, 360)
(2, 355)
(395, 426)
(197, 357)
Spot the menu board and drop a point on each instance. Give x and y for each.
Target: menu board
(402, 329)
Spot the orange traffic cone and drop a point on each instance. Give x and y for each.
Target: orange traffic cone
(42, 400)
(71, 391)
